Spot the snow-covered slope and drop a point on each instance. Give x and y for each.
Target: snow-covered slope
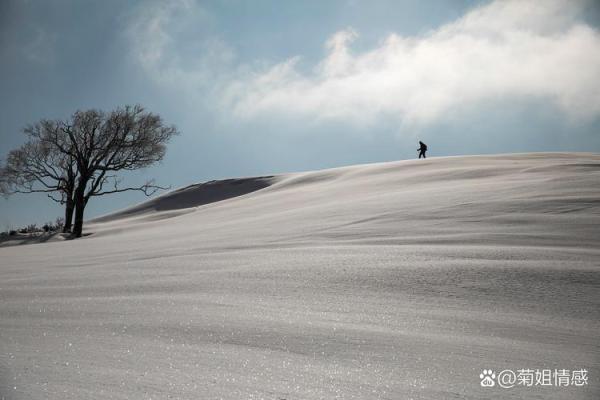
(393, 280)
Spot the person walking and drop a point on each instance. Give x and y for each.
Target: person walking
(422, 149)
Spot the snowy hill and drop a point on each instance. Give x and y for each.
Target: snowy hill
(392, 280)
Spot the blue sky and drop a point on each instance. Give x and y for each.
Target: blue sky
(261, 87)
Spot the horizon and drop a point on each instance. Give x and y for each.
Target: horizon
(264, 88)
(167, 191)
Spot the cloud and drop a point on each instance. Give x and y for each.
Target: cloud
(39, 46)
(172, 42)
(504, 50)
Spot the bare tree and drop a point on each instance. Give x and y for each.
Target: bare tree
(103, 144)
(75, 160)
(37, 167)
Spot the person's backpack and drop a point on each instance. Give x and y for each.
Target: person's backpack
(424, 147)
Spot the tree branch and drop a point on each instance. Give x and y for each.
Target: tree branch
(148, 188)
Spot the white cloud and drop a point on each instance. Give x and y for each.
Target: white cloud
(172, 43)
(41, 46)
(503, 50)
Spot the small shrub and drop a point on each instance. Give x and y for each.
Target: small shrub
(59, 223)
(31, 228)
(12, 232)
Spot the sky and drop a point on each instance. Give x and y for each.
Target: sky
(263, 87)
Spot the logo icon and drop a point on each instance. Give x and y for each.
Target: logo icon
(487, 377)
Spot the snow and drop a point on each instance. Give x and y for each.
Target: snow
(383, 281)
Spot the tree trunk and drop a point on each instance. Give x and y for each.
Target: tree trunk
(68, 215)
(79, 208)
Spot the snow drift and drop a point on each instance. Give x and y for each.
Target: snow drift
(391, 280)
